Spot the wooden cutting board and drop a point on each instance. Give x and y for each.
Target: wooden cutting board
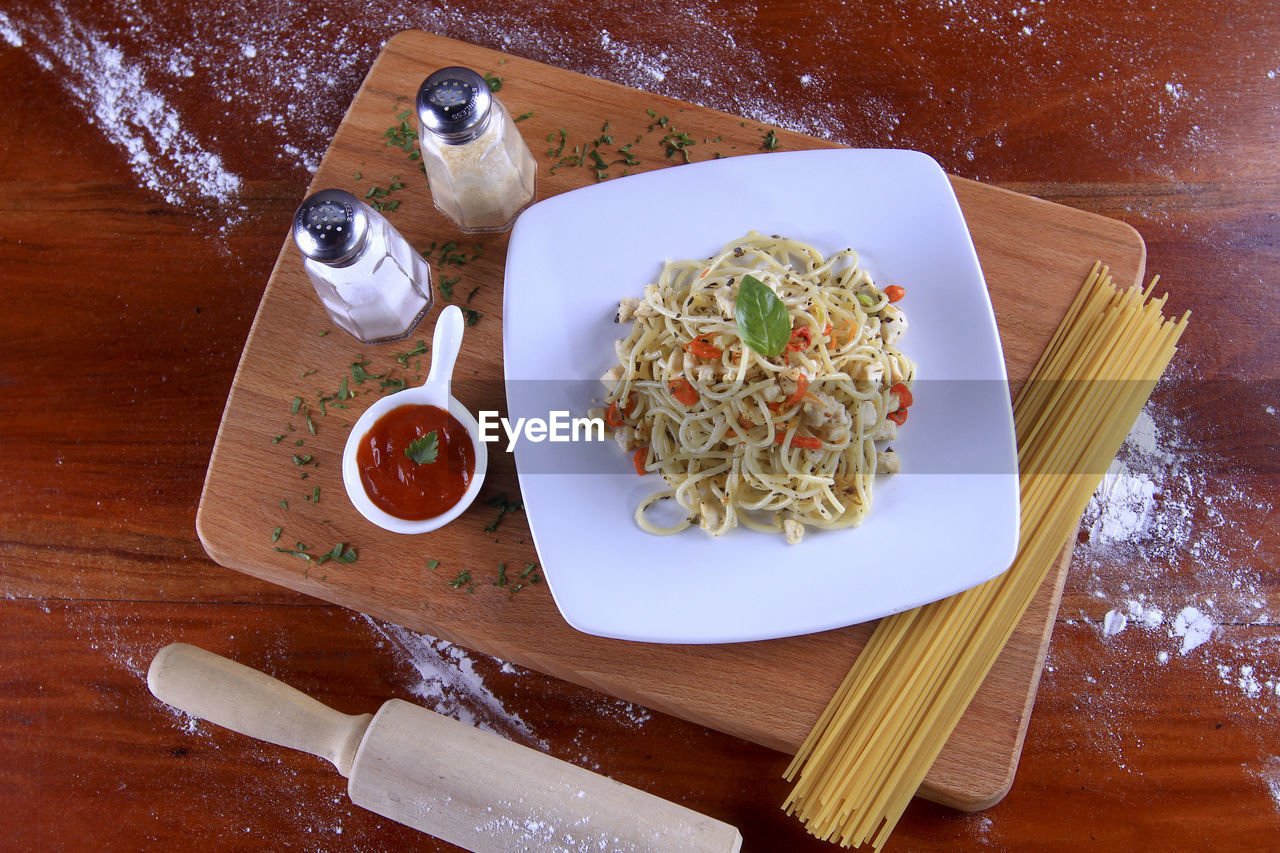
(276, 462)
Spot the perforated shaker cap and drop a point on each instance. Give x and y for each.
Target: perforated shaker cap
(331, 226)
(454, 104)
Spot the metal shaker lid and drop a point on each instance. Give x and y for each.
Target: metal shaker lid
(454, 103)
(331, 226)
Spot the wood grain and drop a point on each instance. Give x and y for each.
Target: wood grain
(126, 313)
(1035, 255)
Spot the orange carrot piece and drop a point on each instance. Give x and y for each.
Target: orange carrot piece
(802, 386)
(703, 348)
(683, 391)
(904, 394)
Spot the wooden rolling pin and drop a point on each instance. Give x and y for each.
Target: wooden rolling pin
(470, 788)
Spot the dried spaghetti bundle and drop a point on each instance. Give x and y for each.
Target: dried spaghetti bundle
(870, 750)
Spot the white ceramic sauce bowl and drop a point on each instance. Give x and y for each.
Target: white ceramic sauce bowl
(445, 344)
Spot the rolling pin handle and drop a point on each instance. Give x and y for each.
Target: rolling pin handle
(252, 703)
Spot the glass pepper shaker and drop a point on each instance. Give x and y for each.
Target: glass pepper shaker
(370, 280)
(480, 169)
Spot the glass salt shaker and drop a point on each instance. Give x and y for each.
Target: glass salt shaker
(370, 280)
(480, 169)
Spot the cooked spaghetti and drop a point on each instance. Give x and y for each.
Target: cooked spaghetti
(777, 442)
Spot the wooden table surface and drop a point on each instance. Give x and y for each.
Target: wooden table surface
(152, 157)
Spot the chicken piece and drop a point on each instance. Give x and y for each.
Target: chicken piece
(819, 408)
(710, 516)
(725, 301)
(626, 437)
(893, 324)
(887, 461)
(867, 414)
(872, 371)
(629, 308)
(827, 418)
(886, 430)
(794, 531)
(612, 377)
(626, 309)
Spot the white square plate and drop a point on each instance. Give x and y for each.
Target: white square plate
(948, 522)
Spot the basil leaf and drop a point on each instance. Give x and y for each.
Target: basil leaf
(763, 321)
(423, 450)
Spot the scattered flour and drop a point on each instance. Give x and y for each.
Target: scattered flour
(9, 32)
(449, 683)
(1193, 627)
(125, 69)
(1269, 775)
(114, 91)
(1168, 523)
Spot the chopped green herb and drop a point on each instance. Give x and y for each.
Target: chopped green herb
(377, 196)
(473, 316)
(770, 141)
(502, 575)
(446, 287)
(494, 81)
(464, 576)
(402, 136)
(297, 553)
(403, 357)
(473, 292)
(297, 404)
(504, 506)
(556, 152)
(431, 564)
(301, 460)
(277, 439)
(449, 254)
(678, 143)
(423, 450)
(284, 503)
(341, 552)
(275, 534)
(524, 116)
(359, 374)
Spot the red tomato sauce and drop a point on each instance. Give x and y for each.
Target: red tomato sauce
(401, 487)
